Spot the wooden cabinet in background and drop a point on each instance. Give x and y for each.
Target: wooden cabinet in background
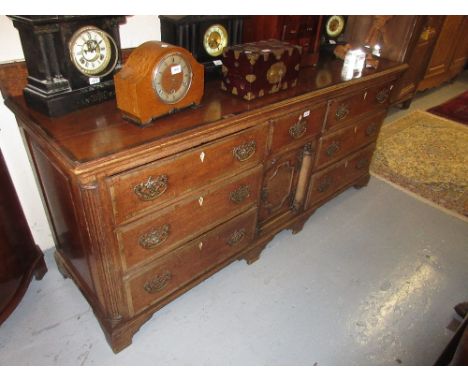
(450, 52)
(408, 39)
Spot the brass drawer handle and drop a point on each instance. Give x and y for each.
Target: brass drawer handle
(151, 189)
(240, 194)
(154, 237)
(333, 149)
(158, 283)
(362, 163)
(342, 112)
(382, 95)
(325, 184)
(297, 130)
(371, 129)
(245, 151)
(236, 237)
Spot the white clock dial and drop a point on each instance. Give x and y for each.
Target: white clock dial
(172, 78)
(91, 51)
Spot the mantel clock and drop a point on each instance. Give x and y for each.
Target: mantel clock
(71, 60)
(204, 36)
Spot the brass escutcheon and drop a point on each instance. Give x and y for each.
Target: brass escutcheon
(276, 72)
(154, 237)
(236, 237)
(158, 282)
(333, 148)
(245, 151)
(151, 189)
(382, 95)
(342, 112)
(298, 129)
(240, 194)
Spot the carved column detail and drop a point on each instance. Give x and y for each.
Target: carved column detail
(302, 183)
(101, 253)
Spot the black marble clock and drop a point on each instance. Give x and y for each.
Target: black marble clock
(204, 36)
(71, 60)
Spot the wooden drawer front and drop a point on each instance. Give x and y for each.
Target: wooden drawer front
(180, 267)
(342, 142)
(325, 183)
(346, 108)
(147, 187)
(154, 235)
(297, 126)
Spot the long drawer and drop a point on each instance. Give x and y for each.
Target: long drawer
(180, 267)
(153, 236)
(347, 107)
(330, 180)
(340, 143)
(143, 189)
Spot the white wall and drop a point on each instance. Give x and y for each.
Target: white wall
(137, 30)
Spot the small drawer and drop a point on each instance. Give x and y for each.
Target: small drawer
(180, 267)
(297, 126)
(325, 183)
(338, 144)
(152, 236)
(345, 108)
(142, 189)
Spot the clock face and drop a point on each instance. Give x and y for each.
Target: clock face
(335, 26)
(91, 51)
(172, 78)
(215, 40)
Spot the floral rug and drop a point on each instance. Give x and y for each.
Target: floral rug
(428, 156)
(455, 109)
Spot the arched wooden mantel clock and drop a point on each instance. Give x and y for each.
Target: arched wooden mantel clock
(158, 79)
(204, 36)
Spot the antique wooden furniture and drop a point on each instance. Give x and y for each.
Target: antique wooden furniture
(141, 215)
(260, 68)
(408, 39)
(298, 29)
(157, 79)
(71, 60)
(20, 258)
(450, 53)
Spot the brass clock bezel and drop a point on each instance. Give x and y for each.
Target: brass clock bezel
(156, 70)
(104, 69)
(224, 36)
(341, 25)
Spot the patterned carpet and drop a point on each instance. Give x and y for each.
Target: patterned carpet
(455, 109)
(428, 156)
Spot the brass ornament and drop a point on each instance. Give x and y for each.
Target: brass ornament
(261, 93)
(154, 237)
(276, 72)
(151, 189)
(249, 96)
(234, 90)
(341, 112)
(245, 151)
(250, 78)
(382, 95)
(298, 129)
(333, 148)
(240, 194)
(236, 237)
(158, 282)
(223, 86)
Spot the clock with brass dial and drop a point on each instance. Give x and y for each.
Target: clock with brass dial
(91, 50)
(158, 79)
(71, 60)
(215, 40)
